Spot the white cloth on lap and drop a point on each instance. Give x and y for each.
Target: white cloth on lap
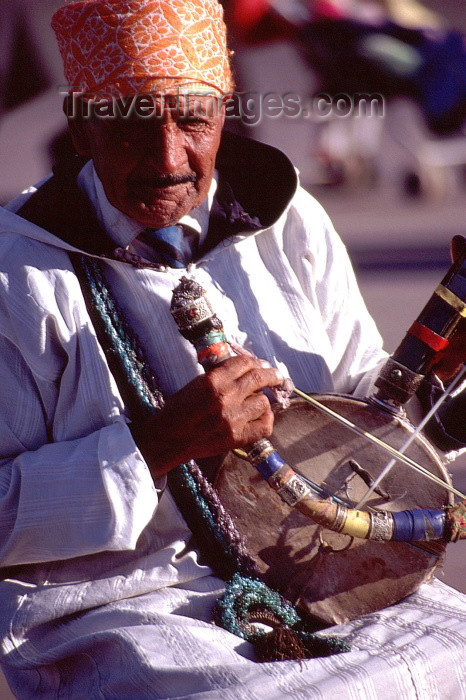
(162, 645)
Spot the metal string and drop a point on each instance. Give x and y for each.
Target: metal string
(380, 443)
(412, 437)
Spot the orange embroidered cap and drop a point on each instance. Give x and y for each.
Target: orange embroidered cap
(116, 48)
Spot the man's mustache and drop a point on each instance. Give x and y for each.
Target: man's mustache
(162, 180)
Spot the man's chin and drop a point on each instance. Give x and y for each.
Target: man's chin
(153, 194)
(158, 213)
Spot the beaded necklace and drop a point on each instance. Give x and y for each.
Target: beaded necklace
(247, 600)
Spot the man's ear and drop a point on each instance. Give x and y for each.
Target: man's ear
(77, 126)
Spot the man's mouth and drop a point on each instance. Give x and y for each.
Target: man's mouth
(161, 182)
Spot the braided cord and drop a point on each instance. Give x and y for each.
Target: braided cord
(188, 481)
(123, 344)
(202, 509)
(246, 596)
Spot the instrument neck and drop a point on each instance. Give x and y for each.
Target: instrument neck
(403, 373)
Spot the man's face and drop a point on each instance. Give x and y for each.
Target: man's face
(155, 169)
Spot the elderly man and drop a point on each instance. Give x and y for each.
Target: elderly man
(104, 592)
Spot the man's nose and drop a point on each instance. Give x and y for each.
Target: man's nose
(167, 150)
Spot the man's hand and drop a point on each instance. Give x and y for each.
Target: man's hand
(449, 362)
(214, 413)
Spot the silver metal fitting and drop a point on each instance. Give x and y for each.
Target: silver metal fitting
(397, 382)
(192, 314)
(293, 491)
(382, 526)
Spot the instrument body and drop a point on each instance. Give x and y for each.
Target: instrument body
(329, 575)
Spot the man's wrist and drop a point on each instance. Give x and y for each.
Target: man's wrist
(159, 456)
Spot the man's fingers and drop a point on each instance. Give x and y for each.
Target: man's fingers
(235, 367)
(257, 429)
(248, 374)
(255, 406)
(258, 379)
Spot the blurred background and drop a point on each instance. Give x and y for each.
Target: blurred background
(393, 184)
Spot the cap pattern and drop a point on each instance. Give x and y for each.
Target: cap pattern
(121, 48)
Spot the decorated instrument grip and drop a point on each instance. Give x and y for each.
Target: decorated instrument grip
(429, 334)
(198, 323)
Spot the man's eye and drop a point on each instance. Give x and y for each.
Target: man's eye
(193, 124)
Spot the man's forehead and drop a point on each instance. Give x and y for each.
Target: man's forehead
(143, 106)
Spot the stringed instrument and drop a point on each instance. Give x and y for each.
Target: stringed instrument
(297, 500)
